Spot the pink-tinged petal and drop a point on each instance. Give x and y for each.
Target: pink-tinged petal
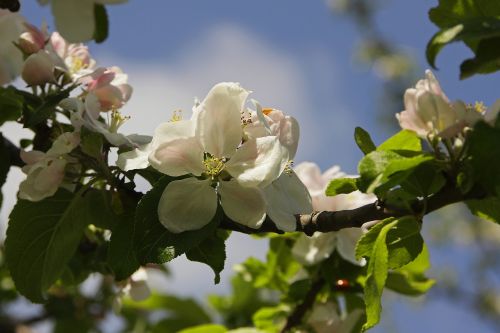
(178, 157)
(166, 132)
(244, 205)
(219, 119)
(286, 197)
(258, 162)
(187, 204)
(51, 176)
(435, 111)
(32, 157)
(310, 174)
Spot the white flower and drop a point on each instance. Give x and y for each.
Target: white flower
(428, 111)
(324, 318)
(75, 18)
(72, 58)
(312, 250)
(209, 147)
(45, 171)
(11, 58)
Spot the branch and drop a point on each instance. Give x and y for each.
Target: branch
(295, 318)
(326, 221)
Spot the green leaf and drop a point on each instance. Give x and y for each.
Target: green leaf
(91, 143)
(209, 328)
(11, 104)
(487, 208)
(487, 59)
(471, 21)
(153, 242)
(425, 180)
(363, 140)
(382, 169)
(364, 247)
(376, 277)
(121, 255)
(98, 204)
(403, 140)
(484, 153)
(101, 23)
(4, 165)
(211, 251)
(404, 242)
(41, 239)
(38, 111)
(471, 30)
(270, 319)
(341, 186)
(410, 279)
(186, 309)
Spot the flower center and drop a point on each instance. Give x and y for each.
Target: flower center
(213, 165)
(77, 64)
(176, 116)
(117, 120)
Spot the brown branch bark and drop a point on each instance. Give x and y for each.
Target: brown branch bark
(327, 221)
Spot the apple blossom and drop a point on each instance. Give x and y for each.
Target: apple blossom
(429, 112)
(209, 147)
(72, 58)
(11, 58)
(110, 87)
(45, 171)
(312, 250)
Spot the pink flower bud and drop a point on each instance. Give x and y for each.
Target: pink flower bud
(38, 69)
(33, 40)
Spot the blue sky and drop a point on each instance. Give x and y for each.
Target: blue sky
(294, 55)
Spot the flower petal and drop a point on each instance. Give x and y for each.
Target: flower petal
(346, 243)
(173, 130)
(74, 19)
(178, 157)
(285, 197)
(258, 161)
(134, 159)
(244, 205)
(219, 119)
(187, 204)
(311, 250)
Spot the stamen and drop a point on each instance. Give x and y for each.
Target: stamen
(117, 120)
(213, 165)
(267, 111)
(288, 167)
(176, 116)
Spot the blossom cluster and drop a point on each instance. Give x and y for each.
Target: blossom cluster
(229, 154)
(430, 114)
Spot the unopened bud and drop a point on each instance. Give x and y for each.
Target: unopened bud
(38, 69)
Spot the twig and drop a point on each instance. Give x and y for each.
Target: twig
(295, 318)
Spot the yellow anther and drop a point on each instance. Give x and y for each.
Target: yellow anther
(77, 64)
(480, 107)
(117, 120)
(267, 111)
(288, 167)
(213, 166)
(176, 116)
